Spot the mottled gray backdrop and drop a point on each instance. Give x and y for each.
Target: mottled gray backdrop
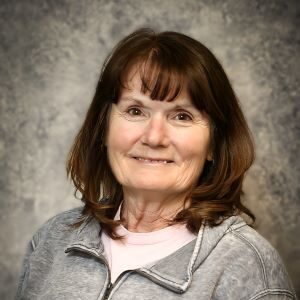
(51, 53)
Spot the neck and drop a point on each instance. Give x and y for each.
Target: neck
(150, 211)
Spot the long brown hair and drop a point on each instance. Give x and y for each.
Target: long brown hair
(168, 62)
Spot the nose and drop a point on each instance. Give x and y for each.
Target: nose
(156, 133)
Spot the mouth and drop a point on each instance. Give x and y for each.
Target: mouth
(153, 160)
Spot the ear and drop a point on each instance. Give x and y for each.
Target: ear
(209, 156)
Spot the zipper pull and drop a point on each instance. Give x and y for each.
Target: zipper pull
(107, 292)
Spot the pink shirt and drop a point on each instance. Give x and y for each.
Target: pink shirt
(139, 249)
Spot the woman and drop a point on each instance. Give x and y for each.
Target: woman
(159, 163)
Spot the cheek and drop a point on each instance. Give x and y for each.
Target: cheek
(122, 135)
(193, 146)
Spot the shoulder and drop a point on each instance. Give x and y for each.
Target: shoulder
(65, 218)
(58, 226)
(265, 257)
(253, 260)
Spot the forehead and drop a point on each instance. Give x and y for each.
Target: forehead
(134, 88)
(160, 80)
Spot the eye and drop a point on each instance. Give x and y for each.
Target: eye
(134, 111)
(183, 116)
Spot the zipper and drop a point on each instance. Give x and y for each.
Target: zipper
(80, 248)
(111, 286)
(107, 292)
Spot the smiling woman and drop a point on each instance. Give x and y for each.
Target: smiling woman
(159, 163)
(182, 76)
(164, 145)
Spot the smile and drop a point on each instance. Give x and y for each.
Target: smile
(153, 160)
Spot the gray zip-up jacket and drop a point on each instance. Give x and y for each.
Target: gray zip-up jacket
(230, 261)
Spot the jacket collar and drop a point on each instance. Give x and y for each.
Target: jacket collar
(174, 271)
(87, 238)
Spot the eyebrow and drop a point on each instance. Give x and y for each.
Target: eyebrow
(177, 106)
(129, 99)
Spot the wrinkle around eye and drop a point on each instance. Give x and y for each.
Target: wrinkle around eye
(202, 121)
(191, 120)
(132, 117)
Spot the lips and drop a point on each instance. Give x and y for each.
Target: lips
(153, 160)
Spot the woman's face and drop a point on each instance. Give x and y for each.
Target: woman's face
(156, 145)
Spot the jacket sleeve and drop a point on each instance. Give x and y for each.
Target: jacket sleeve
(275, 294)
(26, 264)
(62, 220)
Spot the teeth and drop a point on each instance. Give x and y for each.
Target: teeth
(151, 161)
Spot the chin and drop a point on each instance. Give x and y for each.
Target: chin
(154, 186)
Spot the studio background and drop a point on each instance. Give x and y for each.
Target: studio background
(51, 53)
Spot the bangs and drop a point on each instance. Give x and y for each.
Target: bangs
(161, 77)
